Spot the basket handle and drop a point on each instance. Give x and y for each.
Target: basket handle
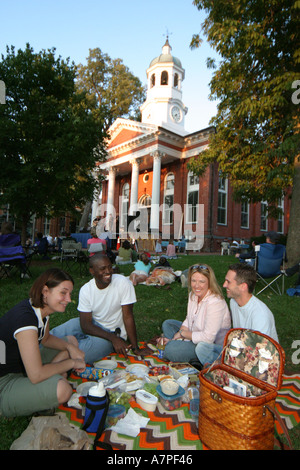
(276, 415)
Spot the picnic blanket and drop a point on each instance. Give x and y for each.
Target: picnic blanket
(177, 430)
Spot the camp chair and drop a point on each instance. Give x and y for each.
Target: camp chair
(268, 263)
(13, 258)
(69, 254)
(10, 239)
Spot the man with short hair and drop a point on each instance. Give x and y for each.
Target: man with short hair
(247, 311)
(272, 238)
(106, 314)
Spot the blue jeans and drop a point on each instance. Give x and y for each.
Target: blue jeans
(185, 351)
(94, 348)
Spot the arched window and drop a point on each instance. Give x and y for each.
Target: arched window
(152, 80)
(125, 205)
(164, 78)
(168, 213)
(176, 80)
(145, 200)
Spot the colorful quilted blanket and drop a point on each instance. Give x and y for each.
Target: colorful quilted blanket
(177, 430)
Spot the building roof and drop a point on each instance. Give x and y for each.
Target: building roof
(166, 56)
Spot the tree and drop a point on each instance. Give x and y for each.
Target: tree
(256, 143)
(111, 87)
(49, 139)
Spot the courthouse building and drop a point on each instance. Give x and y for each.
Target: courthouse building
(148, 186)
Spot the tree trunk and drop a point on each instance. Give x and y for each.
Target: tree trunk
(83, 224)
(293, 244)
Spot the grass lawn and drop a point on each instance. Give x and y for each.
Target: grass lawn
(153, 306)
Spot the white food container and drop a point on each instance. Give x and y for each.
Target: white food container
(146, 400)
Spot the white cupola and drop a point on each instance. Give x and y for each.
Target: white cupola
(163, 106)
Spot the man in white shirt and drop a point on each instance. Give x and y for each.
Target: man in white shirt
(247, 311)
(106, 314)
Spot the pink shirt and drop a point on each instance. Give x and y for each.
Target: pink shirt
(209, 320)
(93, 240)
(171, 250)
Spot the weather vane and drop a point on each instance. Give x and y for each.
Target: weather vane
(167, 34)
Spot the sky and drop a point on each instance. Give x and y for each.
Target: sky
(132, 30)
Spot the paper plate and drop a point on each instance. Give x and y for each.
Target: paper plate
(140, 370)
(108, 365)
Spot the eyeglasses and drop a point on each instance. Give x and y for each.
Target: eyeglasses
(199, 266)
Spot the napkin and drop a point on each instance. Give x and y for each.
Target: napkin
(131, 424)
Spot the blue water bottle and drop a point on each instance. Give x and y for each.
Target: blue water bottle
(96, 409)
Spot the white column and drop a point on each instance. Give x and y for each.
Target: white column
(111, 189)
(134, 186)
(154, 219)
(97, 197)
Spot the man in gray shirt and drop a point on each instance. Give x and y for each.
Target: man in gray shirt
(247, 311)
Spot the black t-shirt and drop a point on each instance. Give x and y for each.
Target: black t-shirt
(21, 317)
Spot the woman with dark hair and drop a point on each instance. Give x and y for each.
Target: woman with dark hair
(124, 253)
(201, 335)
(141, 270)
(33, 378)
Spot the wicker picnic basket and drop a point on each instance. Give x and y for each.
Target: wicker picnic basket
(251, 367)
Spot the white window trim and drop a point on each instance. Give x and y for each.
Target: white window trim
(223, 191)
(264, 203)
(248, 214)
(191, 188)
(281, 205)
(166, 208)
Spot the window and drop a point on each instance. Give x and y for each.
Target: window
(62, 225)
(222, 200)
(152, 80)
(146, 178)
(245, 214)
(47, 226)
(145, 200)
(176, 81)
(164, 78)
(125, 204)
(192, 198)
(264, 216)
(168, 214)
(280, 228)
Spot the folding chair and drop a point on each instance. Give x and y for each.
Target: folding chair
(268, 264)
(13, 258)
(69, 254)
(10, 239)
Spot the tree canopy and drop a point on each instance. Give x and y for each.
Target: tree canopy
(111, 87)
(256, 143)
(49, 139)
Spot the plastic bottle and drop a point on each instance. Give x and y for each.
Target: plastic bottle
(161, 346)
(96, 408)
(97, 390)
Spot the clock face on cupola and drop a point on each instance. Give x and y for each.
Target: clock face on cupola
(176, 113)
(164, 106)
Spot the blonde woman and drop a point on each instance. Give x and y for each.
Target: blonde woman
(200, 336)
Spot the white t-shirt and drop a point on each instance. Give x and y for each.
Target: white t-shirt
(106, 304)
(255, 315)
